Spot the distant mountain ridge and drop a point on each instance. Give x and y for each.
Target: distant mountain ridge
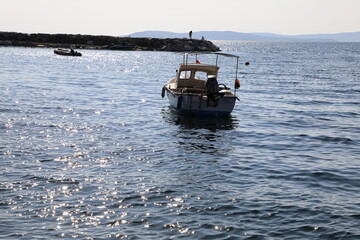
(262, 37)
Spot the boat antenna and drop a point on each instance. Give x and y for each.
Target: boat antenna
(237, 82)
(237, 67)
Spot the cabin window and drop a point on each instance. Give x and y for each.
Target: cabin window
(185, 74)
(200, 75)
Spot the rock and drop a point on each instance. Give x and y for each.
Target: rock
(105, 42)
(64, 45)
(122, 46)
(189, 48)
(6, 43)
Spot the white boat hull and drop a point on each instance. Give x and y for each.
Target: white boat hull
(196, 90)
(199, 104)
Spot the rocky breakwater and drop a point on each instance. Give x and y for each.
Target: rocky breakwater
(104, 42)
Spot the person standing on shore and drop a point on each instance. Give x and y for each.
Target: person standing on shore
(190, 34)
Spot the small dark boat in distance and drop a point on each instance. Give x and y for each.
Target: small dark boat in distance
(66, 52)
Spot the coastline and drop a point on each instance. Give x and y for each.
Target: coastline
(78, 41)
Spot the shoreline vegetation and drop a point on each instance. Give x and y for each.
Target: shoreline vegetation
(77, 41)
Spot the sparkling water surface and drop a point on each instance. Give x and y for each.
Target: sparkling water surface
(90, 150)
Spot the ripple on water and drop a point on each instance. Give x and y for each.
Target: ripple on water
(88, 153)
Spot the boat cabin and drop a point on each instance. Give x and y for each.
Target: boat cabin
(194, 75)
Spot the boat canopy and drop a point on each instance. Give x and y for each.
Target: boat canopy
(209, 69)
(210, 53)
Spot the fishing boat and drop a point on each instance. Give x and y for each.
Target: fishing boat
(66, 52)
(195, 88)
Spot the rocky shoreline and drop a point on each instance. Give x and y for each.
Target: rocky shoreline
(78, 41)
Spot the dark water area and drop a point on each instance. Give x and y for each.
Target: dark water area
(90, 150)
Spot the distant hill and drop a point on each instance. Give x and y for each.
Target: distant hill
(262, 37)
(340, 37)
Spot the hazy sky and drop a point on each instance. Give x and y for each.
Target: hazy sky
(121, 17)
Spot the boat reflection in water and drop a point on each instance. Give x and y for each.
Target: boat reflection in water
(188, 121)
(202, 134)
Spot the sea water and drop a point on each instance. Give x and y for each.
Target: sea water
(90, 150)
